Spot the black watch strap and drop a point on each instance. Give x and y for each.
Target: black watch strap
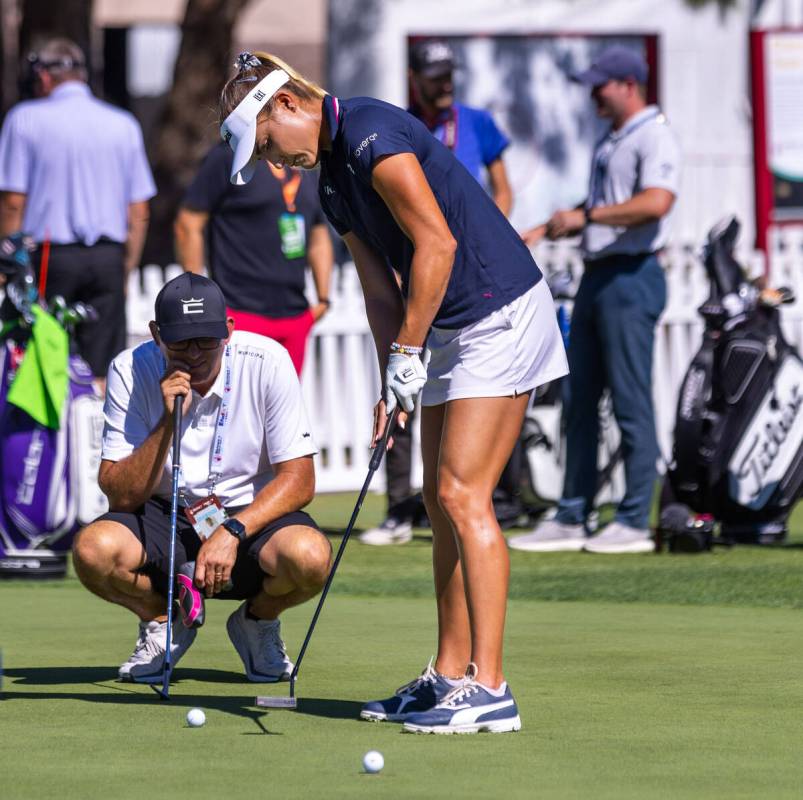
(235, 528)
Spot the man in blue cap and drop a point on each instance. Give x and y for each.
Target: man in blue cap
(246, 473)
(634, 181)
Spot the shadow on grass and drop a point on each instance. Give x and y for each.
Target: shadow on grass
(331, 709)
(117, 692)
(57, 676)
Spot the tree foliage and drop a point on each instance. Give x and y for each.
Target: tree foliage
(188, 125)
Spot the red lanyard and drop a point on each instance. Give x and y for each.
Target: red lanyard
(450, 129)
(291, 181)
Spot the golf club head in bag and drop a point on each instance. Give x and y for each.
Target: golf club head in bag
(373, 466)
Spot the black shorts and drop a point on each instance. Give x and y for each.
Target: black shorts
(150, 523)
(93, 275)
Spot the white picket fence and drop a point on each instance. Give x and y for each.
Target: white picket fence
(341, 379)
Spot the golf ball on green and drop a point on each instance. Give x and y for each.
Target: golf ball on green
(373, 761)
(196, 718)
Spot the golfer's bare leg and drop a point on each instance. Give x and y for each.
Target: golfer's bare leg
(107, 556)
(477, 439)
(454, 632)
(296, 560)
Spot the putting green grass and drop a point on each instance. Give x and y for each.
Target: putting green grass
(689, 689)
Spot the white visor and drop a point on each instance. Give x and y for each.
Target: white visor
(240, 128)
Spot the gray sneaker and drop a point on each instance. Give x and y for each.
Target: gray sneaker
(392, 531)
(146, 663)
(619, 538)
(260, 646)
(550, 536)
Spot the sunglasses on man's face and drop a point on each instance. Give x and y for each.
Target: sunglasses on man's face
(201, 342)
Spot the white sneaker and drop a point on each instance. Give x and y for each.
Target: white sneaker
(550, 536)
(146, 663)
(392, 531)
(619, 538)
(260, 646)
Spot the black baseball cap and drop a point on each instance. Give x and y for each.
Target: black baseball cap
(431, 57)
(189, 307)
(615, 63)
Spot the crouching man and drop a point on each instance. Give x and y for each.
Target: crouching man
(247, 471)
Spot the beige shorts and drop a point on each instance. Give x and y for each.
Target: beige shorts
(507, 353)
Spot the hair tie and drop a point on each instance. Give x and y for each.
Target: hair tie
(246, 60)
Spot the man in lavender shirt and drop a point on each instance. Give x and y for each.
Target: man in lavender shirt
(73, 172)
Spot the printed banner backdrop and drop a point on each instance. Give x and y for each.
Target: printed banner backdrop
(524, 81)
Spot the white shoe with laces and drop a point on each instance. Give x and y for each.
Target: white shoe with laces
(550, 536)
(619, 538)
(146, 663)
(392, 531)
(259, 644)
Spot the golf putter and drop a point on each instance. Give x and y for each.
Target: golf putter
(164, 692)
(373, 466)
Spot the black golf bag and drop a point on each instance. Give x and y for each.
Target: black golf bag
(738, 449)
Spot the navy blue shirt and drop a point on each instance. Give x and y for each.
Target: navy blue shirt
(492, 266)
(244, 247)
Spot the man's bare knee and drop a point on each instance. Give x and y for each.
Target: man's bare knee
(310, 560)
(101, 547)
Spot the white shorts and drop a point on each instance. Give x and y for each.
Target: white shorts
(509, 352)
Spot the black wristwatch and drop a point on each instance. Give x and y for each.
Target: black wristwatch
(587, 215)
(235, 528)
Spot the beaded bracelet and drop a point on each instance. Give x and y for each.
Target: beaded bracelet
(406, 349)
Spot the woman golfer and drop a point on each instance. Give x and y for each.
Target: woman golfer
(472, 294)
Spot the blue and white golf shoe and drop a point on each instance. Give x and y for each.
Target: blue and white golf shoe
(421, 694)
(468, 708)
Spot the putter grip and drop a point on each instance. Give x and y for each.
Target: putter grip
(382, 446)
(178, 406)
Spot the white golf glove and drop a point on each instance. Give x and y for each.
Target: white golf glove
(404, 379)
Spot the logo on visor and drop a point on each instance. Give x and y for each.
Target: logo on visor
(259, 95)
(226, 135)
(364, 143)
(193, 306)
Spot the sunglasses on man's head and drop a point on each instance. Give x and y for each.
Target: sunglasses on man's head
(202, 342)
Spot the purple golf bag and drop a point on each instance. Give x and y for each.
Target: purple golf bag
(48, 477)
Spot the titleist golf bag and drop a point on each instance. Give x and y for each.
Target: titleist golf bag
(49, 473)
(738, 449)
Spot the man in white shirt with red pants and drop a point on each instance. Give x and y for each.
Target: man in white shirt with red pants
(246, 447)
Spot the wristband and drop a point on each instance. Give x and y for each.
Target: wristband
(587, 215)
(324, 301)
(406, 349)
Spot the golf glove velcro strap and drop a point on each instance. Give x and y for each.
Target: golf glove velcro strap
(404, 379)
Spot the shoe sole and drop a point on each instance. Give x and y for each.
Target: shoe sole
(378, 716)
(395, 540)
(640, 547)
(254, 677)
(567, 546)
(496, 726)
(147, 679)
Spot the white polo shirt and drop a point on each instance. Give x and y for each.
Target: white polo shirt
(266, 422)
(642, 154)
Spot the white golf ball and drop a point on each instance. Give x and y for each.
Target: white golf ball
(373, 761)
(195, 717)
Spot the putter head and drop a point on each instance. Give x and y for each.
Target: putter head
(164, 690)
(277, 702)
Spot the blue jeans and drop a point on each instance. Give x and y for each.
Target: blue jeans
(610, 345)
